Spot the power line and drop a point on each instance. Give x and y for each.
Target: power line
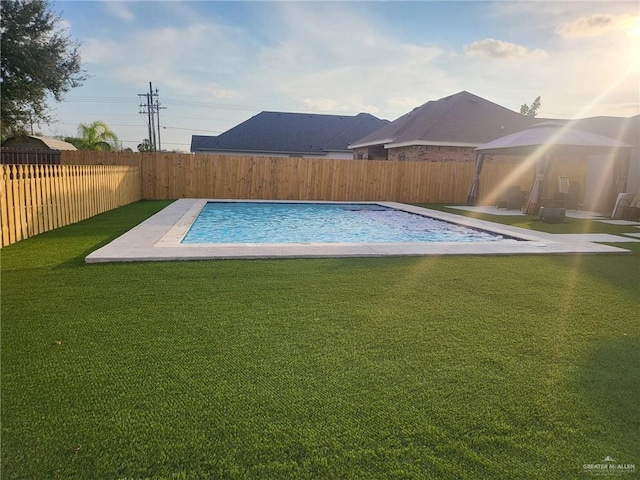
(166, 143)
(191, 129)
(220, 106)
(99, 100)
(84, 114)
(111, 124)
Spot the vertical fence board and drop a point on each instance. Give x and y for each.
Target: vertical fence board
(15, 202)
(28, 203)
(11, 235)
(24, 230)
(33, 202)
(57, 196)
(37, 176)
(4, 209)
(47, 199)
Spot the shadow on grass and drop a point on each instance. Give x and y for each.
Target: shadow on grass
(110, 225)
(69, 245)
(610, 383)
(622, 272)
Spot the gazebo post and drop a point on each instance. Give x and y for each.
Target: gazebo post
(620, 178)
(474, 191)
(542, 170)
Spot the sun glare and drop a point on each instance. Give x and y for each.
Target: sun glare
(633, 33)
(634, 28)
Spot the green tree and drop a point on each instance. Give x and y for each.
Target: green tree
(145, 146)
(96, 136)
(531, 111)
(75, 141)
(39, 61)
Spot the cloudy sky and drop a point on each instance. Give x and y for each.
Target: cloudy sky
(215, 64)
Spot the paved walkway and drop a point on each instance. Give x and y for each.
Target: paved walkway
(502, 211)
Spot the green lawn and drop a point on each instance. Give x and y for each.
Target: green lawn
(420, 367)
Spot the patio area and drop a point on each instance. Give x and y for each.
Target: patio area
(579, 214)
(493, 210)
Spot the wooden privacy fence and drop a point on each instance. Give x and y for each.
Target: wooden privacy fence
(203, 176)
(29, 156)
(170, 176)
(38, 198)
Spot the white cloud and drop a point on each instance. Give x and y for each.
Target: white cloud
(597, 24)
(403, 102)
(64, 25)
(120, 10)
(588, 69)
(194, 60)
(102, 51)
(347, 64)
(492, 48)
(321, 104)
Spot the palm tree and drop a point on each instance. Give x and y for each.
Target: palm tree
(97, 136)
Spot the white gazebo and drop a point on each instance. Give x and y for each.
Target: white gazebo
(546, 141)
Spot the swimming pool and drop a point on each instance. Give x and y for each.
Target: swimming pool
(160, 238)
(286, 223)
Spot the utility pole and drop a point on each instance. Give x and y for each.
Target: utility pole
(146, 108)
(152, 106)
(158, 108)
(152, 119)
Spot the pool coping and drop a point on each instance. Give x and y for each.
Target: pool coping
(158, 239)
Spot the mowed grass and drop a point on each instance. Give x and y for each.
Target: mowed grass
(417, 367)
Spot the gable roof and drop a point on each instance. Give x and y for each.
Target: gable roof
(462, 119)
(291, 133)
(35, 141)
(625, 129)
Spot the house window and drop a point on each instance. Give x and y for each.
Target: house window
(360, 155)
(402, 156)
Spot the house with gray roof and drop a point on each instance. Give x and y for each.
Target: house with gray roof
(291, 134)
(442, 129)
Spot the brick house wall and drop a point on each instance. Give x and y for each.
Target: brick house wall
(432, 153)
(426, 153)
(374, 152)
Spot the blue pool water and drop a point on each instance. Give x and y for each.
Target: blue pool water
(240, 222)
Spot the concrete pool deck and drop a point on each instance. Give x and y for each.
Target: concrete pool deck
(158, 238)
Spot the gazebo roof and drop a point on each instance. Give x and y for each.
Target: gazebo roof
(555, 136)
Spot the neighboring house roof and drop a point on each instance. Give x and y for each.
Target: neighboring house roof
(625, 129)
(33, 141)
(291, 133)
(462, 119)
